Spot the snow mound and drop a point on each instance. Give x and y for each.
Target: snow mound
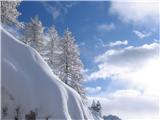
(29, 84)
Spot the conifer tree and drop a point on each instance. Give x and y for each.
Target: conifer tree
(98, 107)
(93, 104)
(53, 50)
(34, 34)
(9, 13)
(71, 66)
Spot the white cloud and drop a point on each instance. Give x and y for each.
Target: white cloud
(144, 13)
(137, 65)
(92, 90)
(111, 44)
(128, 55)
(106, 27)
(141, 35)
(117, 43)
(128, 104)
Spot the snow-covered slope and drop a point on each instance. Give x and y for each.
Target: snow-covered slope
(29, 84)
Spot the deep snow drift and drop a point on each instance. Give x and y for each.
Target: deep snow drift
(28, 83)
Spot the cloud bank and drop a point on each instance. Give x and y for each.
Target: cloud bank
(137, 68)
(133, 64)
(139, 13)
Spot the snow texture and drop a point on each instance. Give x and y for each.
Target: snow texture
(28, 83)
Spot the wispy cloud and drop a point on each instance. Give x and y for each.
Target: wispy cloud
(82, 44)
(71, 4)
(53, 10)
(157, 40)
(58, 9)
(111, 44)
(117, 43)
(141, 35)
(106, 27)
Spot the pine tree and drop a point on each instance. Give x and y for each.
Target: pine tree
(71, 65)
(34, 34)
(98, 107)
(53, 49)
(9, 13)
(93, 104)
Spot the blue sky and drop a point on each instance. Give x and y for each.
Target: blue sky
(118, 43)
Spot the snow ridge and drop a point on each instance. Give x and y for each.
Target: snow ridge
(28, 83)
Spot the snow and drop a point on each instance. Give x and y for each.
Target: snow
(96, 115)
(28, 83)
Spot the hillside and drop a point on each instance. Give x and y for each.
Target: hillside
(28, 84)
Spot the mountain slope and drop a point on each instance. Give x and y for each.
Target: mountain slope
(29, 84)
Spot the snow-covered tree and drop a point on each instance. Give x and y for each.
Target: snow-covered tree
(18, 113)
(33, 34)
(71, 66)
(9, 13)
(4, 111)
(96, 107)
(93, 104)
(31, 116)
(99, 108)
(53, 50)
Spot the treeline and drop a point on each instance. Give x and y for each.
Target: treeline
(60, 52)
